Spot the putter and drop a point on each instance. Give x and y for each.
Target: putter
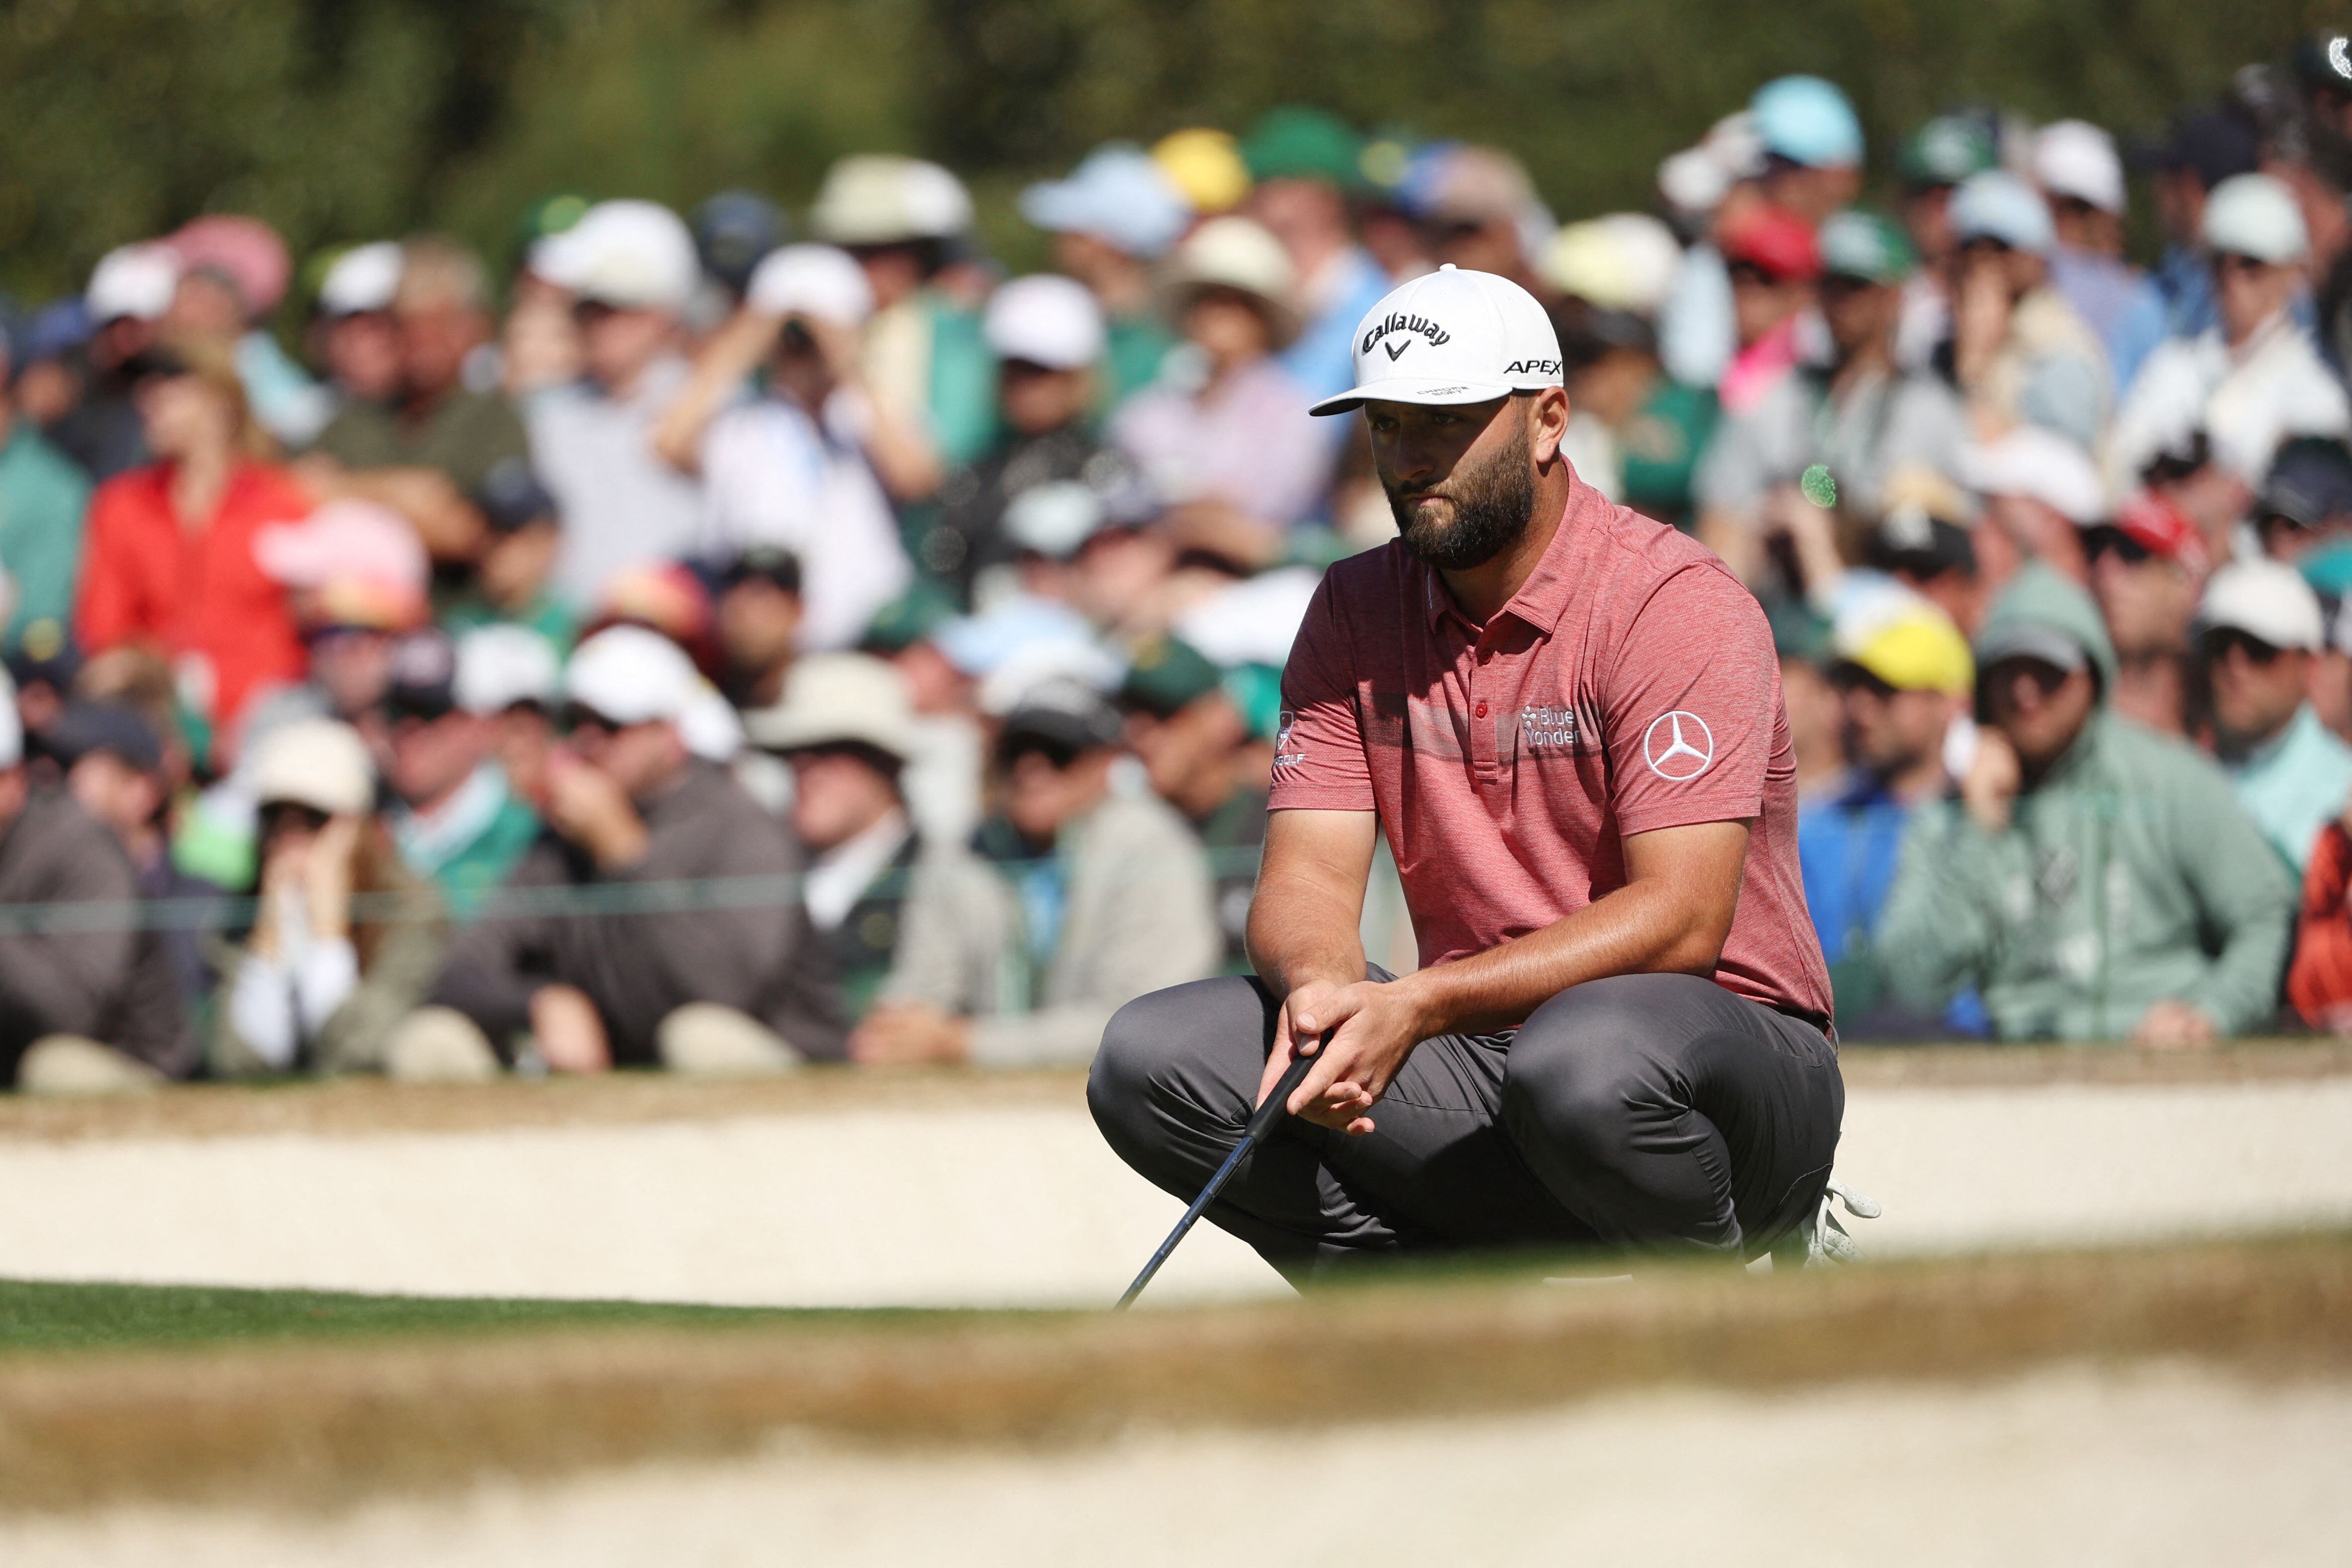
(1261, 1122)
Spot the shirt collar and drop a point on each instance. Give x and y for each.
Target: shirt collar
(1543, 598)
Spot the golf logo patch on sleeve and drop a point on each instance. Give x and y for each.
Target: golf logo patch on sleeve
(1284, 756)
(1678, 745)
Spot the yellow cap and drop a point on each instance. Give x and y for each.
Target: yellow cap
(1916, 649)
(1206, 166)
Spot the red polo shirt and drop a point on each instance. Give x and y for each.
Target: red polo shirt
(1630, 685)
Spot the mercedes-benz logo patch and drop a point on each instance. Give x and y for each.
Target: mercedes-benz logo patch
(1678, 745)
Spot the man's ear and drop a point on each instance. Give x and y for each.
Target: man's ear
(1547, 417)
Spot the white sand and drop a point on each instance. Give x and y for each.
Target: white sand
(2157, 1465)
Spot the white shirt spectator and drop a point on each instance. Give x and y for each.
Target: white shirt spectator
(622, 505)
(2247, 400)
(772, 475)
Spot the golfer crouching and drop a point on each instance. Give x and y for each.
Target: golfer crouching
(1567, 720)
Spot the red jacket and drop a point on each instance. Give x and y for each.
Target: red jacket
(194, 592)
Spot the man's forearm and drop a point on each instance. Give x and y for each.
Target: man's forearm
(1300, 932)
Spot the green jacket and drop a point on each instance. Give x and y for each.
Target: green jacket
(2128, 874)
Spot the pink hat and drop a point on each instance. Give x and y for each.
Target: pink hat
(246, 250)
(345, 542)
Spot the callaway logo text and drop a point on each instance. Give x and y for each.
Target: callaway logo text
(1397, 321)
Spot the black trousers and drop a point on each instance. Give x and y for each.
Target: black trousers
(1647, 1113)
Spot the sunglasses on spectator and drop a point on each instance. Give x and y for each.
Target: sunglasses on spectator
(576, 717)
(586, 312)
(2221, 640)
(276, 816)
(2103, 537)
(2046, 678)
(1749, 273)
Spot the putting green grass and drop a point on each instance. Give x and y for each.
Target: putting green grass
(48, 1315)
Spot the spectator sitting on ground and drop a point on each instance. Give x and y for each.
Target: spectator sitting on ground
(1858, 413)
(353, 334)
(1107, 897)
(2093, 880)
(2081, 178)
(169, 560)
(805, 468)
(1903, 675)
(1307, 165)
(2017, 351)
(630, 270)
(1235, 454)
(455, 817)
(1206, 757)
(890, 903)
(2260, 629)
(2147, 567)
(723, 990)
(314, 987)
(425, 450)
(129, 291)
(1112, 219)
(81, 1010)
(43, 499)
(2253, 379)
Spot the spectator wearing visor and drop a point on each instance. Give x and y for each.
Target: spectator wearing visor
(1903, 673)
(2093, 880)
(1113, 219)
(803, 469)
(1306, 166)
(425, 450)
(353, 334)
(2259, 632)
(1107, 897)
(453, 816)
(629, 269)
(2017, 351)
(2081, 177)
(510, 582)
(320, 982)
(2147, 566)
(44, 498)
(727, 990)
(1047, 336)
(1857, 413)
(2252, 379)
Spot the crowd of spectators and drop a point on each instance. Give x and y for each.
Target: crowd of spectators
(735, 640)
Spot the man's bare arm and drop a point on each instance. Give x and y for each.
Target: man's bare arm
(1306, 915)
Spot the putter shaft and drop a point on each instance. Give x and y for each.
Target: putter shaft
(1261, 1122)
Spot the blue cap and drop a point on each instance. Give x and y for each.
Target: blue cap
(1119, 195)
(1807, 120)
(976, 645)
(1998, 206)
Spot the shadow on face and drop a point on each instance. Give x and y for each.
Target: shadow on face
(2039, 706)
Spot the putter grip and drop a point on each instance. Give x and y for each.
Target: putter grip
(1263, 1119)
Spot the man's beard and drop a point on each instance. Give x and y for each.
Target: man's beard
(1491, 508)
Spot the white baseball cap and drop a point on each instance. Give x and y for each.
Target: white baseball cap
(2076, 158)
(363, 279)
(2264, 599)
(1044, 319)
(632, 254)
(1450, 336)
(2041, 466)
(320, 763)
(629, 674)
(820, 280)
(2254, 215)
(134, 280)
(500, 666)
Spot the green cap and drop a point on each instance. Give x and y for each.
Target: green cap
(1295, 143)
(1946, 151)
(1257, 691)
(1857, 243)
(910, 618)
(1168, 673)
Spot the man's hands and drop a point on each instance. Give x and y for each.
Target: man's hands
(585, 806)
(571, 1036)
(901, 1034)
(1368, 1029)
(2175, 1025)
(1989, 790)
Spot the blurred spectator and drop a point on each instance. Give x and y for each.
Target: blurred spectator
(115, 767)
(2259, 631)
(1116, 216)
(43, 498)
(425, 450)
(510, 676)
(805, 468)
(1858, 413)
(1046, 334)
(631, 269)
(1479, 212)
(2081, 178)
(2093, 880)
(81, 1010)
(356, 576)
(1710, 188)
(2304, 506)
(889, 900)
(1206, 166)
(1236, 450)
(922, 355)
(1903, 675)
(315, 987)
(453, 816)
(1812, 146)
(129, 291)
(1104, 898)
(522, 537)
(541, 341)
(2202, 149)
(1773, 261)
(1204, 758)
(352, 333)
(759, 617)
(734, 230)
(1932, 163)
(233, 272)
(2253, 378)
(2018, 352)
(169, 559)
(721, 991)
(2040, 492)
(2147, 567)
(1922, 543)
(1306, 165)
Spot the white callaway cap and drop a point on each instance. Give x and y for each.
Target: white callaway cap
(1450, 336)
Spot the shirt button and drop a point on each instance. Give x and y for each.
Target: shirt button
(1481, 710)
